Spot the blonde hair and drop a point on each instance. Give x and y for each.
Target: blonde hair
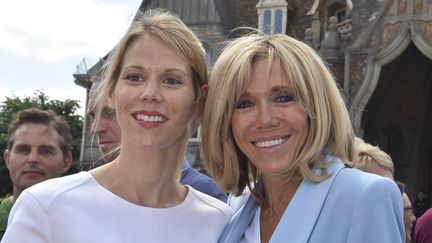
(330, 129)
(369, 155)
(170, 29)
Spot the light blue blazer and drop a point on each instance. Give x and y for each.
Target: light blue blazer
(350, 206)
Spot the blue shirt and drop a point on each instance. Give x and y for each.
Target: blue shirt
(201, 182)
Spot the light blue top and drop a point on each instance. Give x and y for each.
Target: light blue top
(350, 206)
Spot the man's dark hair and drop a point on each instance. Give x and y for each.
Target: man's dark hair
(401, 186)
(48, 118)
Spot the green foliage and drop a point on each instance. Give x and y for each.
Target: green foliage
(68, 109)
(5, 196)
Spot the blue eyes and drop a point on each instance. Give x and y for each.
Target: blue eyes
(172, 81)
(244, 104)
(279, 99)
(284, 98)
(44, 150)
(135, 78)
(23, 149)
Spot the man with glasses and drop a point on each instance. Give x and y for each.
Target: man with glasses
(409, 217)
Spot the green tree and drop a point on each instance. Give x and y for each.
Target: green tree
(68, 109)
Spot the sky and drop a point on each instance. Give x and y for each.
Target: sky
(43, 41)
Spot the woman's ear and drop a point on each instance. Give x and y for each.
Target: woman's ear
(204, 91)
(111, 101)
(202, 100)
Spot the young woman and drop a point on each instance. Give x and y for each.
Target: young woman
(275, 123)
(155, 79)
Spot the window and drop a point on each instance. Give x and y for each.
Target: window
(340, 14)
(338, 10)
(267, 22)
(278, 19)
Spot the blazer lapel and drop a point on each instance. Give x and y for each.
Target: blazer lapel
(299, 218)
(240, 221)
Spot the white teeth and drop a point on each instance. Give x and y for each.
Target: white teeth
(266, 144)
(147, 118)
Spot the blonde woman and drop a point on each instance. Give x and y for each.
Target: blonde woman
(275, 123)
(373, 160)
(155, 80)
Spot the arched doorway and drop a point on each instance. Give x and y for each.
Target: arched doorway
(398, 117)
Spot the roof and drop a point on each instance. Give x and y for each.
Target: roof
(192, 12)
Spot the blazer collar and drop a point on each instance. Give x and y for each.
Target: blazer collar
(241, 220)
(298, 220)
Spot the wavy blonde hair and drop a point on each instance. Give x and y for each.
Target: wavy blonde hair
(330, 129)
(369, 155)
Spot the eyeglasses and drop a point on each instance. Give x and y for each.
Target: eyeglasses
(409, 210)
(107, 113)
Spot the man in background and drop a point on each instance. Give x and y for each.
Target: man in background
(409, 218)
(420, 204)
(108, 135)
(38, 149)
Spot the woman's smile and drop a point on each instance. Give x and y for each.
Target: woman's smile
(270, 142)
(149, 119)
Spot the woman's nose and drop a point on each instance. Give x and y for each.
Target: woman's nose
(151, 91)
(266, 117)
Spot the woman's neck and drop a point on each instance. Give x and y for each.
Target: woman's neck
(277, 197)
(143, 177)
(279, 192)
